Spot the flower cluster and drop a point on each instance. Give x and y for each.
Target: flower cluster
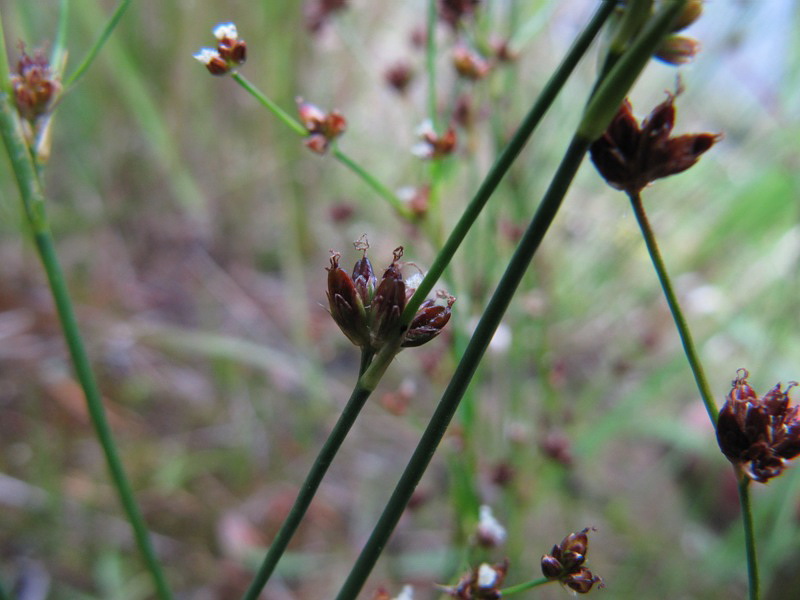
(760, 434)
(481, 583)
(469, 64)
(433, 145)
(681, 49)
(630, 157)
(369, 311)
(34, 85)
(565, 563)
(229, 53)
(322, 128)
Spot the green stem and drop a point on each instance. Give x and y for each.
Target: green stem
(515, 589)
(98, 44)
(605, 101)
(5, 75)
(358, 398)
(4, 595)
(447, 406)
(507, 157)
(57, 56)
(372, 182)
(33, 202)
(749, 537)
(276, 110)
(430, 63)
(674, 307)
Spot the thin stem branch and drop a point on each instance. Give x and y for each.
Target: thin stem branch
(372, 182)
(466, 369)
(276, 110)
(522, 587)
(4, 595)
(749, 535)
(308, 490)
(58, 55)
(672, 300)
(98, 44)
(430, 63)
(507, 157)
(5, 75)
(33, 203)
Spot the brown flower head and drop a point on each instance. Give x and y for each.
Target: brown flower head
(630, 157)
(368, 310)
(453, 12)
(759, 434)
(481, 583)
(469, 64)
(318, 12)
(322, 127)
(230, 52)
(565, 563)
(399, 76)
(433, 145)
(35, 87)
(678, 50)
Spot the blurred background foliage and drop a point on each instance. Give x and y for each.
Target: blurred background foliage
(195, 230)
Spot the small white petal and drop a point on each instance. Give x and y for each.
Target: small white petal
(490, 527)
(225, 30)
(425, 128)
(487, 576)
(422, 150)
(407, 593)
(206, 55)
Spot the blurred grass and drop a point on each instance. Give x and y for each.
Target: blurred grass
(195, 232)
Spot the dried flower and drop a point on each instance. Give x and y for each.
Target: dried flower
(368, 311)
(629, 157)
(35, 87)
(322, 127)
(565, 563)
(399, 76)
(481, 583)
(453, 11)
(469, 64)
(490, 533)
(690, 13)
(678, 50)
(230, 52)
(759, 434)
(432, 144)
(317, 12)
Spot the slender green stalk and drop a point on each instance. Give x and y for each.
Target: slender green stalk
(507, 157)
(473, 354)
(34, 205)
(522, 587)
(358, 398)
(98, 44)
(5, 75)
(430, 63)
(605, 101)
(372, 182)
(58, 55)
(677, 314)
(276, 110)
(4, 595)
(749, 535)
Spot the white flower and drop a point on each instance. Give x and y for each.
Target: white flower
(490, 531)
(206, 55)
(487, 576)
(225, 30)
(407, 593)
